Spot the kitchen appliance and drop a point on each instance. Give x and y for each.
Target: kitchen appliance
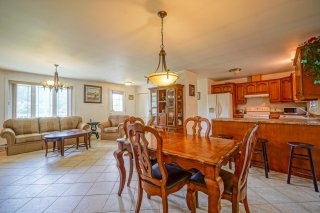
(257, 112)
(220, 106)
(295, 110)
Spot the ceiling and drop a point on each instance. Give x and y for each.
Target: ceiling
(118, 40)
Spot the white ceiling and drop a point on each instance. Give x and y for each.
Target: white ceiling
(118, 40)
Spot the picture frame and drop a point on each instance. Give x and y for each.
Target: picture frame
(131, 97)
(192, 90)
(92, 94)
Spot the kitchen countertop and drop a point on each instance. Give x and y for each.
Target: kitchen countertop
(309, 121)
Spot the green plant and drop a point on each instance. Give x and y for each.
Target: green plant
(311, 57)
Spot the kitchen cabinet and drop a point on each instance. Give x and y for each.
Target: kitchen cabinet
(251, 88)
(274, 91)
(222, 88)
(286, 89)
(167, 106)
(305, 89)
(240, 93)
(262, 87)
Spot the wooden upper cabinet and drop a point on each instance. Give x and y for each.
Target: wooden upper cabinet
(304, 82)
(262, 87)
(274, 91)
(240, 93)
(251, 88)
(216, 89)
(222, 88)
(286, 89)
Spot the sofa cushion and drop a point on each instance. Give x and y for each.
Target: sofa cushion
(117, 119)
(22, 125)
(49, 124)
(28, 138)
(70, 122)
(110, 129)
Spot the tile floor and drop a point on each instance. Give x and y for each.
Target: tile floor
(87, 181)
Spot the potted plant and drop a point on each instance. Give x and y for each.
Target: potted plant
(311, 57)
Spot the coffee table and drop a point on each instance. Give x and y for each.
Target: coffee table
(59, 137)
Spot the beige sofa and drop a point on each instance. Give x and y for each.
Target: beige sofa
(25, 134)
(110, 130)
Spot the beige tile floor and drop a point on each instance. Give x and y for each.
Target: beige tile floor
(87, 181)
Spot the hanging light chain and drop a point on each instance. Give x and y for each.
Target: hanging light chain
(162, 45)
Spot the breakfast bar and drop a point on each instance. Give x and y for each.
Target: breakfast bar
(278, 132)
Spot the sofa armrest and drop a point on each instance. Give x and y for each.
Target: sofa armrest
(9, 135)
(103, 125)
(83, 126)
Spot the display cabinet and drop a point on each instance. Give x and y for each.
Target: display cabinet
(167, 106)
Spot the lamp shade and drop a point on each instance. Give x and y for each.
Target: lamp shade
(162, 78)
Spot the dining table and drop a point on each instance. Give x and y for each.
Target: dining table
(205, 154)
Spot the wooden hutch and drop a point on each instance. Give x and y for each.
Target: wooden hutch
(167, 106)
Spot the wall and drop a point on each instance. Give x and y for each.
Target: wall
(96, 112)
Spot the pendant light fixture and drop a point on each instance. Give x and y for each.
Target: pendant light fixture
(165, 77)
(55, 83)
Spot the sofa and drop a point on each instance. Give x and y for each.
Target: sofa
(26, 134)
(111, 129)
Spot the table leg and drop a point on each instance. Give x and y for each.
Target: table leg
(54, 146)
(77, 142)
(86, 140)
(62, 146)
(118, 154)
(89, 136)
(215, 189)
(46, 144)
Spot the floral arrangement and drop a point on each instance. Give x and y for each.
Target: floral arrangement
(311, 57)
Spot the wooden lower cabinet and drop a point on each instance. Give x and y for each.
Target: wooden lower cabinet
(278, 135)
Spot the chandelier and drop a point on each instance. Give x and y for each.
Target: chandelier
(55, 83)
(165, 77)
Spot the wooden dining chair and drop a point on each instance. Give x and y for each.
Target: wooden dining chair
(158, 179)
(126, 143)
(197, 128)
(235, 185)
(151, 121)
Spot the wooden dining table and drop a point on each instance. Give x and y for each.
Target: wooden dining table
(207, 155)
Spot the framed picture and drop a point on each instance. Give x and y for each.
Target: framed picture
(92, 94)
(131, 97)
(192, 90)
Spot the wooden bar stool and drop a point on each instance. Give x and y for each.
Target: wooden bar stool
(227, 137)
(308, 147)
(262, 150)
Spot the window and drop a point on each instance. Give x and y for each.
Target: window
(31, 100)
(117, 101)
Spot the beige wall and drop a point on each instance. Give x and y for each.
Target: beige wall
(96, 112)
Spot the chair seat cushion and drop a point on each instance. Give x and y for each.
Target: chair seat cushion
(175, 174)
(110, 129)
(226, 176)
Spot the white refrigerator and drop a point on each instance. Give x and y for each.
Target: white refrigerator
(220, 106)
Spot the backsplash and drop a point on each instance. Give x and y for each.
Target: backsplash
(314, 107)
(264, 102)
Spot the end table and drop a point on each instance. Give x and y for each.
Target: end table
(94, 128)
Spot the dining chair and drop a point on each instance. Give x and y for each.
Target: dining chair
(158, 179)
(151, 121)
(196, 127)
(125, 124)
(235, 185)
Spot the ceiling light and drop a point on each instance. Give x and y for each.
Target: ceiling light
(128, 83)
(235, 70)
(165, 77)
(55, 83)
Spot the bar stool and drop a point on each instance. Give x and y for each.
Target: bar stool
(263, 151)
(227, 137)
(308, 147)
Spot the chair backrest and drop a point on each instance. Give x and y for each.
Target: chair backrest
(129, 121)
(139, 141)
(196, 128)
(244, 159)
(151, 121)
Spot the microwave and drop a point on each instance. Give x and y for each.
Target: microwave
(295, 110)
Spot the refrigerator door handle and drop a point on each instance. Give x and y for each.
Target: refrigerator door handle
(219, 110)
